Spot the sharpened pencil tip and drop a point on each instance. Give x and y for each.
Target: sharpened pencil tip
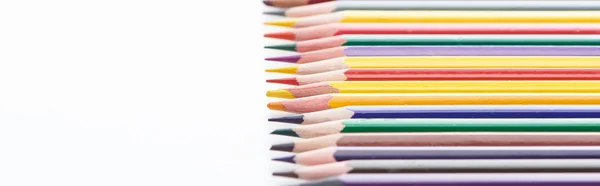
(285, 132)
(296, 119)
(289, 59)
(275, 12)
(286, 174)
(285, 70)
(288, 47)
(289, 159)
(287, 147)
(282, 35)
(286, 81)
(268, 3)
(280, 93)
(284, 23)
(276, 106)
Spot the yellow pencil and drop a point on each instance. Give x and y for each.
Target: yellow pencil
(400, 16)
(443, 62)
(329, 101)
(437, 87)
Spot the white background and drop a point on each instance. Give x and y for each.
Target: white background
(133, 92)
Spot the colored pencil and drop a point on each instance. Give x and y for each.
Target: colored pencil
(462, 179)
(291, 3)
(324, 102)
(317, 172)
(443, 62)
(338, 154)
(444, 111)
(441, 125)
(436, 39)
(336, 6)
(328, 30)
(387, 51)
(441, 139)
(374, 87)
(442, 74)
(419, 16)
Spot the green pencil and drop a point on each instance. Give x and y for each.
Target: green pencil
(408, 39)
(442, 125)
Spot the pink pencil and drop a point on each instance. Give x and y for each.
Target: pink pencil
(328, 30)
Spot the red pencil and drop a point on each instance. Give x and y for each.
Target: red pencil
(442, 74)
(328, 30)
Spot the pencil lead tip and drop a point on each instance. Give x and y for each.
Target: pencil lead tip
(276, 106)
(275, 12)
(281, 35)
(285, 132)
(286, 174)
(288, 47)
(289, 159)
(289, 59)
(268, 3)
(287, 147)
(286, 81)
(284, 23)
(285, 70)
(280, 93)
(296, 119)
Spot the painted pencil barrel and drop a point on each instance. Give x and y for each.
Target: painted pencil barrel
(338, 154)
(463, 179)
(376, 87)
(441, 125)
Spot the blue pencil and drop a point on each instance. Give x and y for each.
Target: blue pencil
(458, 111)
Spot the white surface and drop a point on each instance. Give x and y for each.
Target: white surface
(132, 92)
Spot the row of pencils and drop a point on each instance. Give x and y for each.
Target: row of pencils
(439, 93)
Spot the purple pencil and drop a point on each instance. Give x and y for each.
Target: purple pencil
(338, 154)
(462, 179)
(348, 51)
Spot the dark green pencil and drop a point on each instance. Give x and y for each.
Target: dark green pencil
(442, 125)
(473, 40)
